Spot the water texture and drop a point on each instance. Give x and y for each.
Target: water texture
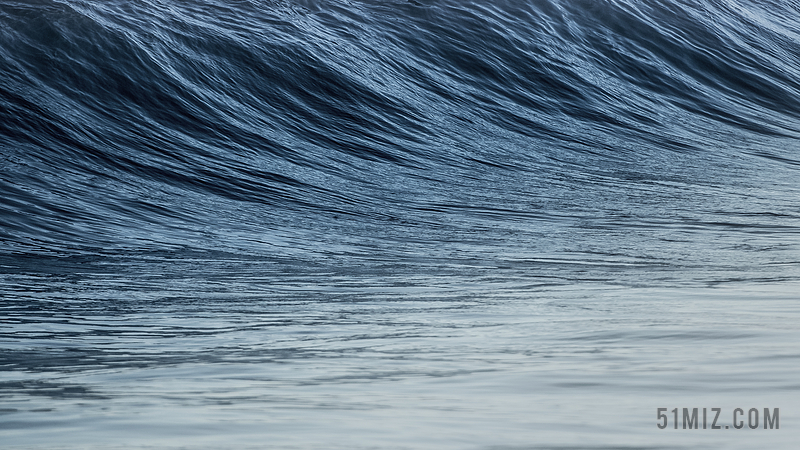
(430, 224)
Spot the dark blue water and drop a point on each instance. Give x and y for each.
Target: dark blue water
(399, 224)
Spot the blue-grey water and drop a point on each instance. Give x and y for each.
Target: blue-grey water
(424, 224)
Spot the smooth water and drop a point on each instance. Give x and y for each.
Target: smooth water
(400, 224)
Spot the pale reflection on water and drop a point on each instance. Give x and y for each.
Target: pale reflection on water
(559, 367)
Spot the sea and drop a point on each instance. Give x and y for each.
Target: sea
(400, 224)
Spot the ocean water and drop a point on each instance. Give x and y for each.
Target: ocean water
(423, 224)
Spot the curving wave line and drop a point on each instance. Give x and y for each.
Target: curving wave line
(640, 130)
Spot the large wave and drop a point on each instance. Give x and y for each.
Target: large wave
(654, 134)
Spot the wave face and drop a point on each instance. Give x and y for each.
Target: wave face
(658, 139)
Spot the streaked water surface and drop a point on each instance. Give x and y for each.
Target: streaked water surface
(429, 224)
